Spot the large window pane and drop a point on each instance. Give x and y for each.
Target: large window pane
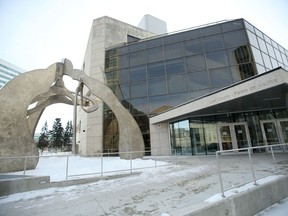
(123, 76)
(228, 26)
(172, 38)
(216, 59)
(138, 89)
(192, 47)
(138, 73)
(175, 66)
(159, 104)
(155, 54)
(253, 39)
(213, 43)
(216, 29)
(177, 83)
(199, 93)
(139, 105)
(267, 61)
(199, 80)
(123, 61)
(156, 70)
(195, 63)
(262, 45)
(125, 92)
(157, 86)
(179, 98)
(173, 50)
(191, 34)
(235, 38)
(243, 71)
(257, 56)
(220, 77)
(136, 47)
(153, 43)
(137, 58)
(270, 50)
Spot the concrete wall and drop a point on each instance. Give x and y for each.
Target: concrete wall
(105, 32)
(160, 142)
(247, 203)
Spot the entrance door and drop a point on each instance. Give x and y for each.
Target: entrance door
(233, 136)
(275, 132)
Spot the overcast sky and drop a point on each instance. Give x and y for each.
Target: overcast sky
(37, 33)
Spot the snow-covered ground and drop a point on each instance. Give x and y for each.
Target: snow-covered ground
(179, 182)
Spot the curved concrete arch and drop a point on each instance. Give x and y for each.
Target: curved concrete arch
(45, 87)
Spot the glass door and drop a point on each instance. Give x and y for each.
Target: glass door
(233, 136)
(275, 132)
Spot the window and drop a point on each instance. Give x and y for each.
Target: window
(137, 58)
(175, 66)
(220, 77)
(177, 83)
(193, 47)
(195, 63)
(176, 99)
(138, 89)
(138, 73)
(157, 86)
(173, 50)
(155, 54)
(123, 76)
(139, 105)
(235, 38)
(216, 59)
(213, 43)
(156, 70)
(199, 80)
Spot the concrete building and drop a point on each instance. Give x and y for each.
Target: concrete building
(8, 71)
(208, 88)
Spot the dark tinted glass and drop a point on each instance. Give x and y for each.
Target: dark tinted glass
(195, 63)
(156, 70)
(235, 38)
(215, 29)
(236, 24)
(220, 77)
(199, 80)
(123, 76)
(124, 61)
(213, 43)
(191, 34)
(123, 50)
(175, 66)
(216, 59)
(199, 93)
(125, 93)
(173, 50)
(138, 89)
(139, 105)
(158, 103)
(137, 46)
(172, 38)
(179, 98)
(137, 58)
(177, 83)
(138, 73)
(157, 86)
(155, 54)
(192, 47)
(153, 43)
(239, 55)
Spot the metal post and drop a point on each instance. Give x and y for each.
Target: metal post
(273, 156)
(67, 161)
(130, 163)
(25, 166)
(220, 176)
(102, 164)
(252, 168)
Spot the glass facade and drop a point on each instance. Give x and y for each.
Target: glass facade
(150, 76)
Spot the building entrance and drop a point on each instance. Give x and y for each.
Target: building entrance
(275, 132)
(233, 136)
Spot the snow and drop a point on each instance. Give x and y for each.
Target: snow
(246, 187)
(278, 209)
(175, 183)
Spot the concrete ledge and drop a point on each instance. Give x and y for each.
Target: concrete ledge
(246, 203)
(22, 184)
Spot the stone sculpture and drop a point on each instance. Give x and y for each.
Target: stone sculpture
(45, 87)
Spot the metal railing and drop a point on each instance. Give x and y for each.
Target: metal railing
(268, 149)
(101, 156)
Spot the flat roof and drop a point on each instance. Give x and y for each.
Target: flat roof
(264, 91)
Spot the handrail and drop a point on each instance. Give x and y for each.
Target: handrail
(250, 161)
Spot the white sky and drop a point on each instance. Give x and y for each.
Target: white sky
(37, 33)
